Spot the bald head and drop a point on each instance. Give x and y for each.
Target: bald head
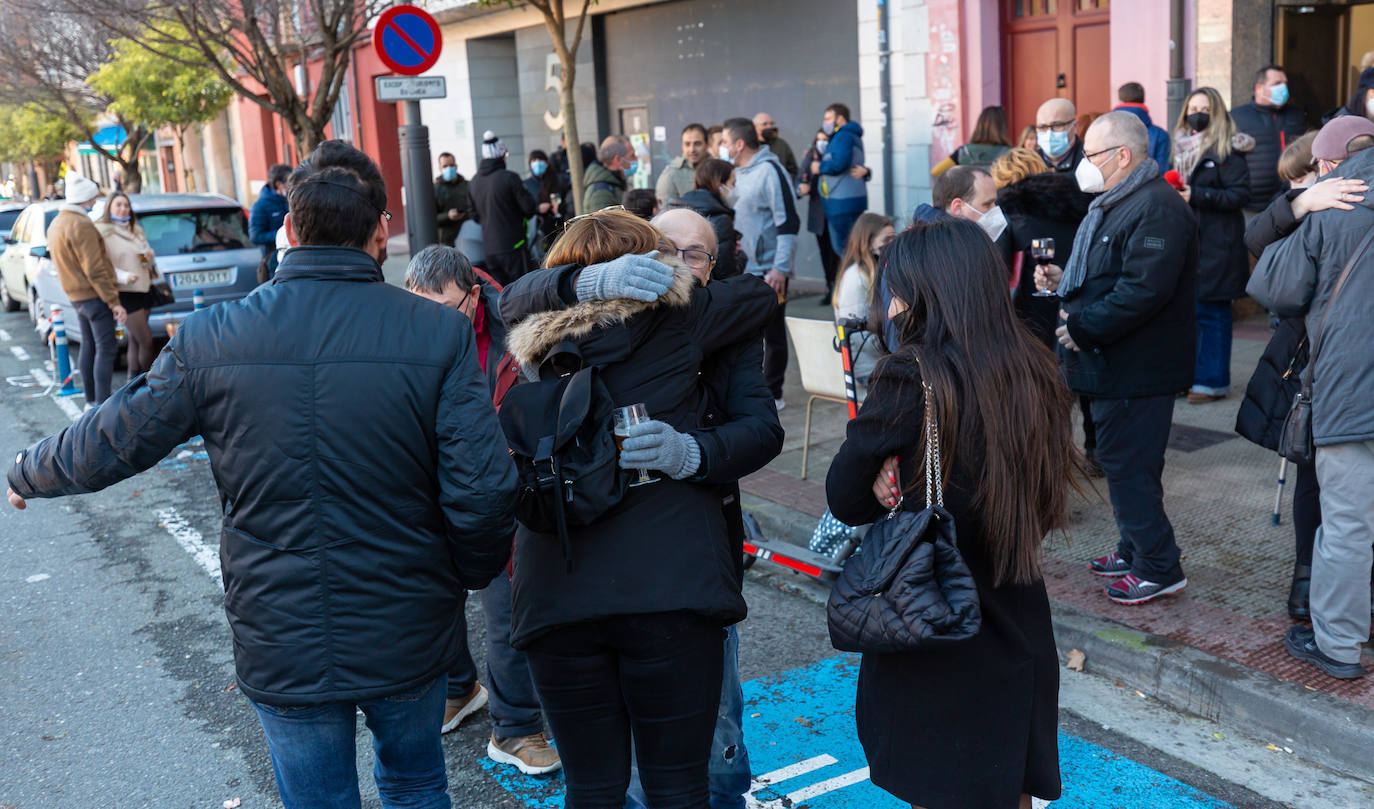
(1056, 110)
(1116, 143)
(763, 121)
(688, 230)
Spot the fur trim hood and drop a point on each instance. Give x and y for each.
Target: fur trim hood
(1243, 143)
(530, 339)
(1052, 196)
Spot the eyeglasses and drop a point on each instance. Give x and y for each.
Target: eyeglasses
(696, 259)
(386, 214)
(1057, 126)
(1102, 152)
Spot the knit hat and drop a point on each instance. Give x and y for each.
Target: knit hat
(1332, 140)
(492, 147)
(79, 189)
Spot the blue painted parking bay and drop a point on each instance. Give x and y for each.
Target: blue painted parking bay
(799, 726)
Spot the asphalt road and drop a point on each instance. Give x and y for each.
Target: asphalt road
(117, 686)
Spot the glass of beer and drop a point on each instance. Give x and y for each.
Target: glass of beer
(623, 417)
(1042, 250)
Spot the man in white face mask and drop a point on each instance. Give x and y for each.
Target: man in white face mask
(1127, 340)
(970, 193)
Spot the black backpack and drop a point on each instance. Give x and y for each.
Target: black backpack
(559, 433)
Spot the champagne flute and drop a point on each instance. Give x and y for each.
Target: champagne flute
(1042, 250)
(622, 418)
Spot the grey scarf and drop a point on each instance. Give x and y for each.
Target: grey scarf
(1077, 271)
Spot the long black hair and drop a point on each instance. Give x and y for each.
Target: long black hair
(993, 379)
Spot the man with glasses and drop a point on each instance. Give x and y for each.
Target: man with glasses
(1056, 134)
(364, 480)
(1127, 333)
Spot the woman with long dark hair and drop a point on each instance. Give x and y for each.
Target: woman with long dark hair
(133, 260)
(990, 140)
(971, 725)
(1209, 156)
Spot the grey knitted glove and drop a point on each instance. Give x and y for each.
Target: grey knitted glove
(655, 445)
(638, 277)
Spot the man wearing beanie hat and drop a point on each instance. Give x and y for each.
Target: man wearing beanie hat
(502, 206)
(88, 278)
(1305, 275)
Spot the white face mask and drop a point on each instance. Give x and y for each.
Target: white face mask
(1369, 107)
(724, 153)
(728, 193)
(1089, 177)
(993, 222)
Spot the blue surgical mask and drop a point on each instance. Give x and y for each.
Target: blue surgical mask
(1053, 143)
(123, 220)
(820, 146)
(538, 167)
(828, 129)
(1278, 94)
(449, 173)
(630, 172)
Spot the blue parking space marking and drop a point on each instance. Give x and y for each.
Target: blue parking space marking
(193, 451)
(799, 726)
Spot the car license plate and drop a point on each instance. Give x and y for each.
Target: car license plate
(204, 278)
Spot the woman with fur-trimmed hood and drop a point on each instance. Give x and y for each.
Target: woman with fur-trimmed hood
(624, 635)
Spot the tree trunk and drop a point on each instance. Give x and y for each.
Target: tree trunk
(188, 173)
(569, 106)
(306, 135)
(133, 176)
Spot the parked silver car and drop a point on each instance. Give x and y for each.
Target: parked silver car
(24, 244)
(201, 242)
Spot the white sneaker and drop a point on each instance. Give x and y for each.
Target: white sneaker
(779, 404)
(456, 710)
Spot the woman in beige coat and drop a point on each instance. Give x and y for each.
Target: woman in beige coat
(135, 270)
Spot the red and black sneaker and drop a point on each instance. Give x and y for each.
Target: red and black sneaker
(1131, 589)
(1110, 565)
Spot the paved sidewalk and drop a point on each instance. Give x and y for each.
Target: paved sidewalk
(1216, 649)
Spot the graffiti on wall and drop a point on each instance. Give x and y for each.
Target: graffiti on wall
(944, 79)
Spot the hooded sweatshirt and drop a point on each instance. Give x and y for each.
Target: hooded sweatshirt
(841, 193)
(766, 214)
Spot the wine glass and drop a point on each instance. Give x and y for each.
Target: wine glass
(1042, 250)
(622, 418)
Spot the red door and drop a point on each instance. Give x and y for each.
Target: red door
(1056, 48)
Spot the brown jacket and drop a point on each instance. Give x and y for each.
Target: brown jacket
(83, 266)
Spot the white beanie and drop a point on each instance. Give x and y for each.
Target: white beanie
(79, 189)
(492, 147)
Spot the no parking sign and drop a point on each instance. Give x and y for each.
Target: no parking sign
(407, 40)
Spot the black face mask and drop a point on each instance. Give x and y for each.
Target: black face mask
(899, 322)
(1198, 121)
(770, 134)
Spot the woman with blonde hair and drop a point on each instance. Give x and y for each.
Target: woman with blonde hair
(1016, 165)
(1209, 155)
(135, 268)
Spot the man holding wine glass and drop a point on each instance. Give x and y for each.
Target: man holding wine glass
(1126, 337)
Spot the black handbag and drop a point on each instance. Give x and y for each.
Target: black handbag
(907, 589)
(1296, 442)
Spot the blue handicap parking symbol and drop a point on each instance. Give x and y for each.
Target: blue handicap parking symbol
(799, 728)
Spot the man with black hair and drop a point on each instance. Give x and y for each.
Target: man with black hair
(680, 176)
(265, 219)
(843, 175)
(451, 202)
(503, 205)
(364, 481)
(1273, 123)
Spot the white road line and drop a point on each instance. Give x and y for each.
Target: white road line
(19, 353)
(794, 770)
(64, 403)
(192, 542)
(816, 790)
(4, 335)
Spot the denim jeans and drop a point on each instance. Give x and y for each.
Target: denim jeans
(514, 706)
(839, 226)
(98, 346)
(1212, 363)
(314, 757)
(730, 774)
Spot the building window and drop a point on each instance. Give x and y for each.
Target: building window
(342, 119)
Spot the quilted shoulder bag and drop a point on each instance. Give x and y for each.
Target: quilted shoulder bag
(1296, 442)
(907, 589)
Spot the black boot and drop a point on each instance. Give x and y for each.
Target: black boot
(1298, 608)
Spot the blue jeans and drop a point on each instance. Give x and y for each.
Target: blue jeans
(314, 758)
(730, 775)
(514, 707)
(1212, 366)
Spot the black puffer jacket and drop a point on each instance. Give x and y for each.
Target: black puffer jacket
(1220, 192)
(363, 476)
(1135, 317)
(666, 546)
(1042, 205)
(501, 204)
(1273, 128)
(730, 259)
(1272, 223)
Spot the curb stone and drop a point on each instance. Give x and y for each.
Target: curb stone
(1319, 727)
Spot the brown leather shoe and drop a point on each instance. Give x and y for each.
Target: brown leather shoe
(456, 710)
(1203, 398)
(531, 754)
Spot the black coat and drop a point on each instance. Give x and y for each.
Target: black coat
(1135, 316)
(973, 725)
(815, 210)
(1273, 129)
(730, 259)
(666, 546)
(501, 204)
(1220, 192)
(1042, 205)
(364, 480)
(1272, 223)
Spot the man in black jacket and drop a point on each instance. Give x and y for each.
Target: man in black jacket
(1127, 341)
(503, 206)
(1273, 124)
(364, 480)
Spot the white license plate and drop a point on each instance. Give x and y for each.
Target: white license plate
(205, 278)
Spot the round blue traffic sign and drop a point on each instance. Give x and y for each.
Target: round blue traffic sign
(407, 40)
